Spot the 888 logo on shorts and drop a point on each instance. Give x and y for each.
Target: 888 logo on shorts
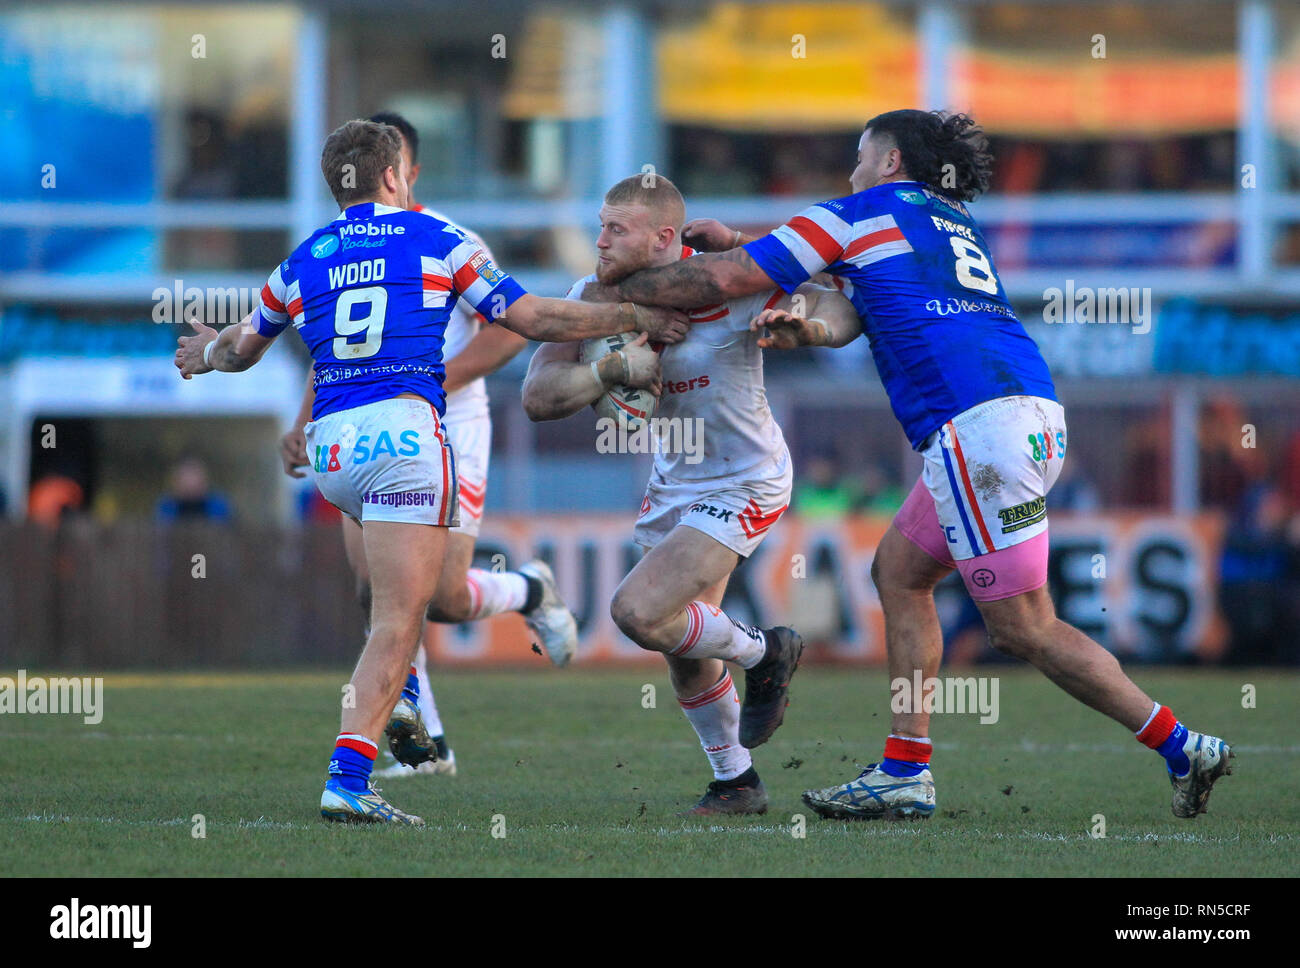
(1047, 446)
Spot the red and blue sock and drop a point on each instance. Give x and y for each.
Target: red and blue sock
(1166, 735)
(906, 755)
(353, 759)
(411, 690)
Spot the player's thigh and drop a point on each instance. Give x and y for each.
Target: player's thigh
(676, 572)
(405, 561)
(901, 565)
(355, 549)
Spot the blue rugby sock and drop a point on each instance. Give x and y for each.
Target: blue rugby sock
(353, 759)
(411, 690)
(1172, 750)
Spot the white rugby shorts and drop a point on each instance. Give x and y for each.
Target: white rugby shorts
(385, 461)
(989, 470)
(471, 441)
(736, 511)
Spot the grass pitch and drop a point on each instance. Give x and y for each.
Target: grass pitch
(584, 780)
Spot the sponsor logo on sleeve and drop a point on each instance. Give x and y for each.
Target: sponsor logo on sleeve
(488, 272)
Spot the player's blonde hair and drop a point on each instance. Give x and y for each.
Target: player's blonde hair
(652, 191)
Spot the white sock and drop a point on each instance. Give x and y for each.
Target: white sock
(715, 714)
(711, 635)
(1155, 709)
(494, 592)
(428, 708)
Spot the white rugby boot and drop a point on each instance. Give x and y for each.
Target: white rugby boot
(875, 795)
(551, 620)
(439, 767)
(1210, 759)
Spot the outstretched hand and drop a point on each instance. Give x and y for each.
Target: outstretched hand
(189, 355)
(293, 452)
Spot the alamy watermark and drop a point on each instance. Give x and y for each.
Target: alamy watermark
(951, 694)
(1084, 304)
(75, 921)
(658, 435)
(212, 305)
(80, 696)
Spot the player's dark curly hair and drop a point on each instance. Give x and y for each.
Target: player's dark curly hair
(929, 141)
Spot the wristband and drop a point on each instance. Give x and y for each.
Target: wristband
(736, 242)
(595, 371)
(627, 369)
(628, 309)
(207, 355)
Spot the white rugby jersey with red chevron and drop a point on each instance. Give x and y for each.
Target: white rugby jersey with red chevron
(714, 378)
(471, 400)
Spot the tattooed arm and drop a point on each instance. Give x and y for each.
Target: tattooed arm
(701, 280)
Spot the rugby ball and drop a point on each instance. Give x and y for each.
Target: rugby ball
(632, 407)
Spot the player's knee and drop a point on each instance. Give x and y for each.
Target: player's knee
(631, 620)
(886, 571)
(450, 610)
(1020, 640)
(877, 568)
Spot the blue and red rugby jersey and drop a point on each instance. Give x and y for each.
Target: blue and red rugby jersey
(371, 294)
(942, 332)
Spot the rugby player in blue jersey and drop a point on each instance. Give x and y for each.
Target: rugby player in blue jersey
(471, 349)
(975, 399)
(371, 293)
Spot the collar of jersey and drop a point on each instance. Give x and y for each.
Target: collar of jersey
(365, 210)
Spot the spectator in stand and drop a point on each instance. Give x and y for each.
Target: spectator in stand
(1258, 579)
(1147, 461)
(880, 493)
(714, 170)
(1228, 466)
(52, 496)
(823, 491)
(1074, 491)
(191, 497)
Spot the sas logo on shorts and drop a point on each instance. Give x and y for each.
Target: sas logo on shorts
(1023, 515)
(481, 264)
(909, 196)
(326, 459)
(325, 246)
(363, 453)
(1042, 445)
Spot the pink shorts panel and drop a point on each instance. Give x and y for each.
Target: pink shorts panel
(1006, 572)
(918, 521)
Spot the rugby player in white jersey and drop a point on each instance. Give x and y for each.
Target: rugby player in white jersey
(370, 293)
(977, 402)
(471, 351)
(703, 511)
